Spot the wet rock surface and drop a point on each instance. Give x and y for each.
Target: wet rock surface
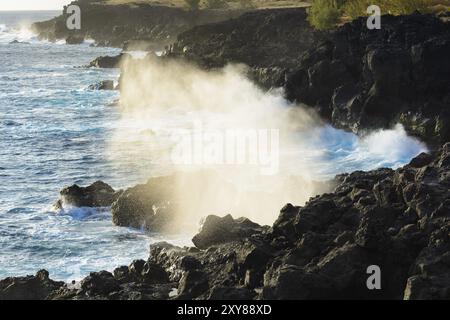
(36, 287)
(108, 62)
(103, 85)
(98, 194)
(269, 41)
(398, 220)
(362, 79)
(357, 79)
(117, 24)
(216, 230)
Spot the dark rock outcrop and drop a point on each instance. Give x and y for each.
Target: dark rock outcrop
(158, 205)
(356, 78)
(364, 79)
(139, 281)
(216, 230)
(98, 194)
(269, 41)
(75, 39)
(398, 220)
(395, 219)
(36, 287)
(103, 85)
(115, 25)
(108, 62)
(146, 206)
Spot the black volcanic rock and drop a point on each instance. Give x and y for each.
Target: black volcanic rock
(216, 230)
(154, 206)
(103, 85)
(356, 78)
(364, 79)
(109, 61)
(98, 194)
(269, 41)
(398, 220)
(145, 206)
(36, 287)
(75, 39)
(115, 25)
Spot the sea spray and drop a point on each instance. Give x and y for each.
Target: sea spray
(160, 97)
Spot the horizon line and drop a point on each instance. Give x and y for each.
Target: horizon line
(8, 10)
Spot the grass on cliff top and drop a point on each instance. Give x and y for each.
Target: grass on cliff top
(327, 14)
(232, 4)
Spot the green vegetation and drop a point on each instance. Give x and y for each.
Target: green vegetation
(326, 14)
(247, 4)
(216, 4)
(192, 4)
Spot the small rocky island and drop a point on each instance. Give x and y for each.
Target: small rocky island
(356, 79)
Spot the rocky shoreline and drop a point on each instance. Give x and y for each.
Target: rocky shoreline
(395, 219)
(356, 79)
(137, 26)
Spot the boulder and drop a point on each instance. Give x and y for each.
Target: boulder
(75, 39)
(99, 283)
(359, 79)
(37, 287)
(98, 194)
(147, 206)
(216, 230)
(109, 61)
(192, 284)
(103, 85)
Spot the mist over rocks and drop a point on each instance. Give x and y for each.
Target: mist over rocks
(36, 287)
(357, 79)
(103, 85)
(362, 79)
(109, 62)
(269, 41)
(395, 219)
(216, 230)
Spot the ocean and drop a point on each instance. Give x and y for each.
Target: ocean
(55, 132)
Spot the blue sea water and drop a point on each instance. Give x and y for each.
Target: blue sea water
(54, 132)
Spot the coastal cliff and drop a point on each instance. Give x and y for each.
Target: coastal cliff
(137, 26)
(357, 79)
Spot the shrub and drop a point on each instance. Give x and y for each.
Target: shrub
(324, 14)
(357, 8)
(216, 4)
(192, 4)
(404, 6)
(246, 4)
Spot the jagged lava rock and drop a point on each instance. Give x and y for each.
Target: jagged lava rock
(98, 194)
(216, 230)
(361, 79)
(36, 287)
